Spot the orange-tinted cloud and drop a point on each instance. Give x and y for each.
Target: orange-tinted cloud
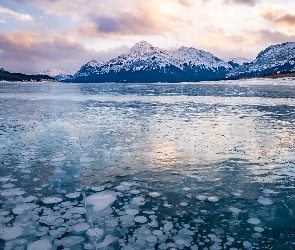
(30, 52)
(287, 19)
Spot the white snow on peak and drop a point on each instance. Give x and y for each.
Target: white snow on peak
(194, 57)
(238, 60)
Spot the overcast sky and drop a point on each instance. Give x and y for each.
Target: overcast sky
(40, 34)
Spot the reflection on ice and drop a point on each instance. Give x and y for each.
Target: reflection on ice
(147, 166)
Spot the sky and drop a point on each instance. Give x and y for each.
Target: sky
(40, 34)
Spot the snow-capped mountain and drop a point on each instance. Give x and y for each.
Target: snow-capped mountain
(146, 63)
(59, 73)
(276, 58)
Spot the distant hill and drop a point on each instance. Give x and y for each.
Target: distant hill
(58, 73)
(19, 77)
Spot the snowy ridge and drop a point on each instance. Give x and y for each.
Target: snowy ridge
(58, 73)
(275, 58)
(238, 60)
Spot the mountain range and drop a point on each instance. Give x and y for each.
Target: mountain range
(146, 63)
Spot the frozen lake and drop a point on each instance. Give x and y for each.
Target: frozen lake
(147, 166)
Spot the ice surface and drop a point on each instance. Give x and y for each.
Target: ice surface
(40, 245)
(11, 233)
(265, 201)
(52, 200)
(100, 201)
(147, 157)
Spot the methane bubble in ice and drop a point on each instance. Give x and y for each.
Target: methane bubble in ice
(201, 197)
(11, 233)
(140, 219)
(235, 210)
(51, 200)
(40, 245)
(265, 201)
(154, 194)
(100, 201)
(253, 221)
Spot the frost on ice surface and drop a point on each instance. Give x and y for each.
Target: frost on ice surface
(11, 233)
(51, 200)
(253, 221)
(201, 197)
(140, 219)
(235, 210)
(100, 201)
(265, 201)
(154, 194)
(40, 245)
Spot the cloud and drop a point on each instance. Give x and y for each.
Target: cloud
(29, 52)
(185, 3)
(245, 2)
(287, 19)
(266, 36)
(276, 16)
(126, 23)
(5, 12)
